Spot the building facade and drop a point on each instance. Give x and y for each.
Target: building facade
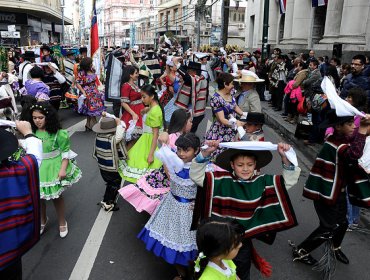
(36, 21)
(343, 25)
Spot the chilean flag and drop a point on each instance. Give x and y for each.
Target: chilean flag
(282, 4)
(317, 3)
(94, 41)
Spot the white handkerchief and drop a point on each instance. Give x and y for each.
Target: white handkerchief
(7, 123)
(130, 130)
(364, 161)
(169, 159)
(342, 107)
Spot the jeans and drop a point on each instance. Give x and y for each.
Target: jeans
(113, 183)
(353, 213)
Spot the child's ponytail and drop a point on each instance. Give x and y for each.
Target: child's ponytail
(199, 265)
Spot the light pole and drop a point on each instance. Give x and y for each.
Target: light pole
(265, 32)
(62, 8)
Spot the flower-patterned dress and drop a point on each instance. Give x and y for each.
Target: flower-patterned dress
(217, 129)
(150, 189)
(93, 105)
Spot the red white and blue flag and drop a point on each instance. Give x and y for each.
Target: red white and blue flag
(317, 3)
(282, 4)
(94, 41)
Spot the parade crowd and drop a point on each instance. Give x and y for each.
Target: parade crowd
(206, 194)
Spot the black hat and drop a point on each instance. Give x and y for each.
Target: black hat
(194, 65)
(29, 54)
(292, 53)
(68, 53)
(254, 118)
(83, 49)
(262, 158)
(332, 119)
(46, 47)
(8, 144)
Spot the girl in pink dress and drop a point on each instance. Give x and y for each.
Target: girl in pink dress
(150, 189)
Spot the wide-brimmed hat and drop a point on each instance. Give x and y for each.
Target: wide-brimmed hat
(249, 77)
(29, 54)
(332, 119)
(254, 118)
(194, 65)
(105, 125)
(144, 73)
(262, 158)
(8, 144)
(46, 47)
(83, 49)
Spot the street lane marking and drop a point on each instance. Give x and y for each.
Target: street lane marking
(209, 123)
(80, 126)
(89, 252)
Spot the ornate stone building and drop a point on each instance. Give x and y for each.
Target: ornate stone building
(342, 24)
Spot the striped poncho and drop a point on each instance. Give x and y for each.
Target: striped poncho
(19, 208)
(330, 175)
(261, 205)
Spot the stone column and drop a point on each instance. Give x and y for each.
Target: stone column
(333, 20)
(288, 20)
(301, 22)
(274, 12)
(353, 25)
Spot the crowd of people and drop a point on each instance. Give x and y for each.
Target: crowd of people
(206, 193)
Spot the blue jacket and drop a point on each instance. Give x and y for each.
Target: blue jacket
(353, 81)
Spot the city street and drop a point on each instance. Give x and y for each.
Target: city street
(103, 245)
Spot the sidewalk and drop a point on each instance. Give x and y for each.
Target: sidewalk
(287, 130)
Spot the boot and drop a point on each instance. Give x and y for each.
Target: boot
(302, 256)
(289, 118)
(294, 120)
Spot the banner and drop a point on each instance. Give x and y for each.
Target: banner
(282, 4)
(94, 41)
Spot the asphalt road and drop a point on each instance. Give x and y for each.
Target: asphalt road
(104, 246)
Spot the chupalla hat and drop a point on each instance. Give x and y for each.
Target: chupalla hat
(105, 125)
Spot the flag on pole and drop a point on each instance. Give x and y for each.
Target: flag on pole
(94, 41)
(282, 4)
(317, 3)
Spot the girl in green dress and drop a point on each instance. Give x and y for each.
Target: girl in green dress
(58, 170)
(141, 159)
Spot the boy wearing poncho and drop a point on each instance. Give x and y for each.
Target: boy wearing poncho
(260, 203)
(331, 173)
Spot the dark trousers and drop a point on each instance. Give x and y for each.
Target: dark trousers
(243, 260)
(333, 219)
(117, 107)
(113, 182)
(13, 271)
(280, 94)
(286, 102)
(196, 122)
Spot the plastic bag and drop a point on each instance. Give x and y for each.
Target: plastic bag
(267, 95)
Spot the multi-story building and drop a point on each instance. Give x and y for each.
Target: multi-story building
(100, 17)
(341, 24)
(118, 18)
(36, 21)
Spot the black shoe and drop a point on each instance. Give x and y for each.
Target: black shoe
(340, 256)
(284, 114)
(277, 109)
(303, 257)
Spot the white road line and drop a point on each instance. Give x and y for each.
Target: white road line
(209, 123)
(80, 126)
(89, 252)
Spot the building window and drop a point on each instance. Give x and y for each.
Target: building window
(234, 17)
(175, 15)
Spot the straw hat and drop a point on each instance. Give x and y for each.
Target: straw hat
(144, 73)
(249, 77)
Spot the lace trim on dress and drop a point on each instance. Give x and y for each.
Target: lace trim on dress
(171, 245)
(65, 182)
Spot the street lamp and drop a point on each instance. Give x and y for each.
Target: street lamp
(62, 8)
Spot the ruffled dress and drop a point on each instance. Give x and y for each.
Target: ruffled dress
(56, 147)
(217, 129)
(150, 189)
(93, 105)
(137, 165)
(167, 233)
(131, 95)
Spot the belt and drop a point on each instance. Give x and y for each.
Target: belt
(135, 102)
(182, 199)
(52, 154)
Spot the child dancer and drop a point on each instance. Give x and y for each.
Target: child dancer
(35, 86)
(150, 189)
(58, 169)
(218, 244)
(167, 233)
(141, 157)
(263, 206)
(109, 150)
(250, 127)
